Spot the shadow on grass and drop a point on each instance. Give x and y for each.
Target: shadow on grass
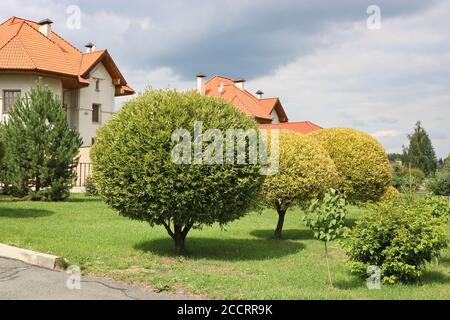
(353, 282)
(84, 199)
(24, 213)
(291, 234)
(350, 222)
(226, 249)
(429, 277)
(435, 277)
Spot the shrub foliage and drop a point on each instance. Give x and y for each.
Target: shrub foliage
(407, 180)
(390, 195)
(135, 174)
(360, 161)
(306, 171)
(399, 237)
(440, 183)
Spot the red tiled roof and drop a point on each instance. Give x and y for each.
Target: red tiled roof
(225, 88)
(24, 48)
(302, 127)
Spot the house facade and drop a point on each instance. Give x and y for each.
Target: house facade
(86, 82)
(268, 112)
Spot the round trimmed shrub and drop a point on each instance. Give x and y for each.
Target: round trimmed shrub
(306, 172)
(391, 194)
(135, 173)
(360, 160)
(399, 237)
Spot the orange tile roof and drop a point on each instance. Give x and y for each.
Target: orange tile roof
(302, 127)
(24, 48)
(225, 88)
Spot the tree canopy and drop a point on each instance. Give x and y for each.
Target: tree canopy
(360, 160)
(420, 152)
(136, 173)
(306, 171)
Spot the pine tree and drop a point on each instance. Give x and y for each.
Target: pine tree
(420, 152)
(40, 148)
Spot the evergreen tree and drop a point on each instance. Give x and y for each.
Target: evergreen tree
(420, 152)
(40, 148)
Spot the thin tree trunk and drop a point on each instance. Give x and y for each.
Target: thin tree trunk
(38, 184)
(178, 235)
(179, 239)
(328, 265)
(279, 229)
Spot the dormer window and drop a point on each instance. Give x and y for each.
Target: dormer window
(97, 85)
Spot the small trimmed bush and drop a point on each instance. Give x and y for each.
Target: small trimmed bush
(306, 171)
(399, 237)
(360, 160)
(89, 186)
(390, 195)
(135, 173)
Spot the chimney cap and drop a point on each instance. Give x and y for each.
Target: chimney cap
(89, 45)
(259, 92)
(45, 21)
(240, 80)
(201, 75)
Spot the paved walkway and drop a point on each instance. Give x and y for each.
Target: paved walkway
(21, 281)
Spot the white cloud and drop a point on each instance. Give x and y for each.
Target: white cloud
(160, 78)
(386, 134)
(371, 79)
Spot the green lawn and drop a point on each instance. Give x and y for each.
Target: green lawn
(239, 262)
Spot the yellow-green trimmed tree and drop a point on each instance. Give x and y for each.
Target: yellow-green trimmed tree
(360, 160)
(306, 172)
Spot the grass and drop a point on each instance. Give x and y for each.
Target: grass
(242, 262)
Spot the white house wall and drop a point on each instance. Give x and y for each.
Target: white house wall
(24, 83)
(275, 117)
(89, 96)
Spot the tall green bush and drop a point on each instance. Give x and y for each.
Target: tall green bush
(306, 171)
(40, 148)
(399, 237)
(135, 173)
(420, 151)
(360, 161)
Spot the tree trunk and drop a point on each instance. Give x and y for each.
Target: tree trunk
(178, 235)
(179, 238)
(328, 266)
(279, 229)
(38, 184)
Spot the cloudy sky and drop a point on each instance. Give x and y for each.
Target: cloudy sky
(319, 57)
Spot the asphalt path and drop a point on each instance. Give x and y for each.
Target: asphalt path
(19, 281)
